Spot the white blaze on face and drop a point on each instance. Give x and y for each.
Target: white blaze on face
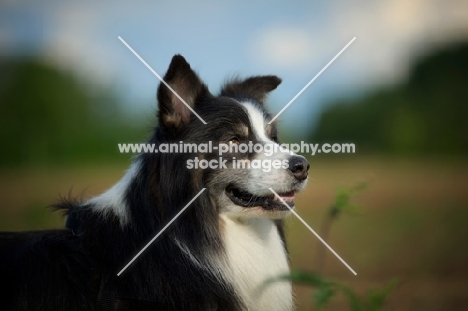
(259, 181)
(257, 122)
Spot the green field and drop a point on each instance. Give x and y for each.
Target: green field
(412, 225)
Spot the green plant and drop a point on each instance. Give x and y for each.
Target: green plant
(326, 289)
(341, 204)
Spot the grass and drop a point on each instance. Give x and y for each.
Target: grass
(411, 225)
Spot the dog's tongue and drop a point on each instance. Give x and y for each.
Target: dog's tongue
(287, 196)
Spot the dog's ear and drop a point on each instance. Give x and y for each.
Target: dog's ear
(255, 87)
(173, 112)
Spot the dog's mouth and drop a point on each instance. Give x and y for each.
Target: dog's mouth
(270, 202)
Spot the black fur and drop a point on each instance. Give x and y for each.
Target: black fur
(77, 269)
(46, 270)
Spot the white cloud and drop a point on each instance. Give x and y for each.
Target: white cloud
(74, 43)
(293, 42)
(391, 33)
(285, 47)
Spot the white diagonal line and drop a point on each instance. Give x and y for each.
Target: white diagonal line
(313, 79)
(160, 232)
(161, 79)
(312, 230)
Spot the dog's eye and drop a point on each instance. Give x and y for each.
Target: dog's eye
(234, 140)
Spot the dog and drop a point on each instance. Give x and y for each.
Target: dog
(216, 256)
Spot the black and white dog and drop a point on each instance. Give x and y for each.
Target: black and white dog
(215, 256)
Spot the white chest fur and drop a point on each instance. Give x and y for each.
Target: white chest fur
(255, 253)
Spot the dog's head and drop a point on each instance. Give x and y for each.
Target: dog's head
(246, 160)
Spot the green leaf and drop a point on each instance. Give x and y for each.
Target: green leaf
(343, 197)
(353, 299)
(308, 278)
(323, 296)
(377, 297)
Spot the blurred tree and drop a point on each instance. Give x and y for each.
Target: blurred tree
(48, 116)
(428, 114)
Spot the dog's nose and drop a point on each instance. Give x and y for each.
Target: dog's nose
(299, 166)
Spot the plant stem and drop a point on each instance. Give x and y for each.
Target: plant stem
(324, 233)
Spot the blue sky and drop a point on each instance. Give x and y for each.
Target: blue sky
(291, 39)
